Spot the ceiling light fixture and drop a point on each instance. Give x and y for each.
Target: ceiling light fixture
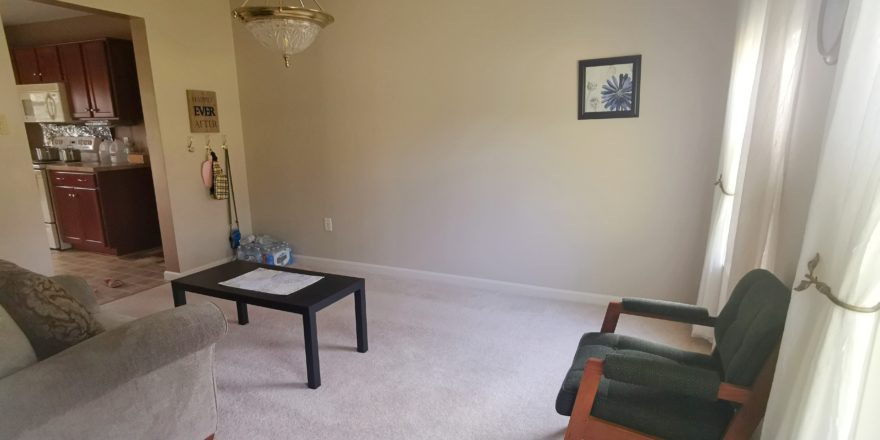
(287, 29)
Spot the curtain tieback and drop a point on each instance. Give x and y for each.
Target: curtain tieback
(824, 289)
(720, 184)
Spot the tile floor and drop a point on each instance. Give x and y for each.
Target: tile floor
(138, 272)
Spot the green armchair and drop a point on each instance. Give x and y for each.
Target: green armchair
(620, 387)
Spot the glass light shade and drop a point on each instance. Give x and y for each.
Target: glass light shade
(289, 36)
(286, 29)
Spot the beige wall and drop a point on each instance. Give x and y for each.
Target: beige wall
(22, 235)
(69, 29)
(446, 139)
(190, 47)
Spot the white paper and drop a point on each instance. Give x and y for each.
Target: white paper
(270, 281)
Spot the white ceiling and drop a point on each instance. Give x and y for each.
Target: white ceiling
(24, 11)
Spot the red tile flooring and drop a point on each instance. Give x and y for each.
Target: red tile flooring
(138, 272)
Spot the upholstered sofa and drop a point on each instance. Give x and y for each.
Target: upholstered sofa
(146, 378)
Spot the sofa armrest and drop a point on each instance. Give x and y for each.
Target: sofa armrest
(667, 376)
(96, 367)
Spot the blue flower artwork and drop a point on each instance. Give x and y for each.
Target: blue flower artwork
(609, 87)
(617, 93)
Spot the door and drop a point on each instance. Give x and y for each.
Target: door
(90, 215)
(75, 78)
(98, 74)
(26, 65)
(49, 64)
(69, 219)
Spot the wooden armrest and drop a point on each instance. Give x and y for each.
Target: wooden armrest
(583, 403)
(612, 315)
(734, 393)
(615, 309)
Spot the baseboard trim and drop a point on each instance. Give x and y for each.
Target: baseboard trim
(171, 276)
(465, 282)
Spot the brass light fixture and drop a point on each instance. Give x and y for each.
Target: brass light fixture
(287, 29)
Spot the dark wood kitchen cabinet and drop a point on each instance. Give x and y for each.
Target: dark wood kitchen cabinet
(75, 80)
(37, 65)
(82, 222)
(110, 211)
(100, 76)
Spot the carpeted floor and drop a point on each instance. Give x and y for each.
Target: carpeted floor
(442, 364)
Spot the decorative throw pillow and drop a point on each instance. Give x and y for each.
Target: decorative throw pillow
(52, 319)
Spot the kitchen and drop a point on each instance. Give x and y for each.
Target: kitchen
(78, 86)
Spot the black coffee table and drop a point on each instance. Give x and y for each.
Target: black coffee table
(305, 302)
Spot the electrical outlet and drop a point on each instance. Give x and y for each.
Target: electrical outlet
(4, 126)
(328, 224)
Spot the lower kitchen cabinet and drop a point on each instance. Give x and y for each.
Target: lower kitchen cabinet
(82, 223)
(111, 211)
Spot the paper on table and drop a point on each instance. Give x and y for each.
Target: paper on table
(275, 282)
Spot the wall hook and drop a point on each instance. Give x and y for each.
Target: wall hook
(207, 142)
(189, 144)
(223, 141)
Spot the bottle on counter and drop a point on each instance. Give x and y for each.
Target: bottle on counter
(104, 152)
(127, 146)
(120, 156)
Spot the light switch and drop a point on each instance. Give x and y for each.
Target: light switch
(4, 126)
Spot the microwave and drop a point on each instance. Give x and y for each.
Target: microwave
(44, 102)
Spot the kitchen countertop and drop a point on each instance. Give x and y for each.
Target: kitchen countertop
(92, 167)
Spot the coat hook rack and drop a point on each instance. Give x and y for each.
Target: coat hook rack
(189, 144)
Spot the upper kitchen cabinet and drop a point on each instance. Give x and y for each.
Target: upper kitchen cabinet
(100, 76)
(101, 79)
(35, 65)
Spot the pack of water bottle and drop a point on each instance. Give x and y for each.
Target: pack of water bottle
(265, 249)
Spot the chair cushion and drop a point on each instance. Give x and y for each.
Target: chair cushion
(660, 413)
(52, 319)
(598, 345)
(750, 326)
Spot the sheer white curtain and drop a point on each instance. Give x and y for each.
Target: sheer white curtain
(823, 386)
(763, 92)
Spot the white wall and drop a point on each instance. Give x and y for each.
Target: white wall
(444, 137)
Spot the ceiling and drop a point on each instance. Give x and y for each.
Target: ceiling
(24, 11)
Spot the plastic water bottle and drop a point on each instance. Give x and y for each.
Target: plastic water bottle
(104, 152)
(117, 152)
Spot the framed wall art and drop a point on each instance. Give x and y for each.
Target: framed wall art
(609, 87)
(202, 109)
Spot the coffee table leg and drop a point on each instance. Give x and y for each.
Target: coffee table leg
(360, 318)
(179, 296)
(241, 308)
(310, 332)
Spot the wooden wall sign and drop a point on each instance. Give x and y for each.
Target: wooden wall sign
(202, 109)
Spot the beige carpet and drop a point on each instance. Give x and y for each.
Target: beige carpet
(442, 364)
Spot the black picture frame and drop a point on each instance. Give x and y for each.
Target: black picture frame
(595, 101)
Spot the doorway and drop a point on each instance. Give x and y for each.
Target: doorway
(78, 79)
